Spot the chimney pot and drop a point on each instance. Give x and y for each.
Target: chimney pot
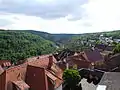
(50, 62)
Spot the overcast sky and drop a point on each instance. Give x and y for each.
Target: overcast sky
(60, 16)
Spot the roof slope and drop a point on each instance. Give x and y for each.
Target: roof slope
(111, 80)
(93, 55)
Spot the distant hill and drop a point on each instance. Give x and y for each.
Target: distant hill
(64, 37)
(16, 45)
(73, 41)
(57, 38)
(20, 44)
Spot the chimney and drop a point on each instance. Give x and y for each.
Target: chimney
(67, 66)
(50, 62)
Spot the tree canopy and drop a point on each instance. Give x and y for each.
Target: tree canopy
(71, 78)
(18, 45)
(117, 49)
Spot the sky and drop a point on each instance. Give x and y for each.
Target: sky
(60, 16)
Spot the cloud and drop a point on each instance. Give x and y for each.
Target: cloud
(24, 22)
(47, 9)
(61, 16)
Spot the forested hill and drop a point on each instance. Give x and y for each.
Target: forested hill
(65, 38)
(16, 45)
(57, 38)
(20, 44)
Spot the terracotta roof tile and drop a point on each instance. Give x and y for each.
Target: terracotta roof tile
(21, 84)
(51, 76)
(58, 81)
(55, 69)
(4, 61)
(55, 73)
(93, 55)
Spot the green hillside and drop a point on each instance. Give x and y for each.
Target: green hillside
(16, 45)
(57, 38)
(76, 41)
(20, 44)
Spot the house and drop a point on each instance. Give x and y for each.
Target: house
(117, 40)
(81, 60)
(92, 55)
(113, 63)
(110, 81)
(41, 73)
(74, 61)
(63, 54)
(103, 47)
(77, 60)
(100, 47)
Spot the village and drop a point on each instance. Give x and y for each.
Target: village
(59, 44)
(98, 68)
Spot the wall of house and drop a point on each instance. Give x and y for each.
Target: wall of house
(36, 78)
(82, 64)
(2, 81)
(79, 64)
(50, 85)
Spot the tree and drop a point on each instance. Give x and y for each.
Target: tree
(117, 49)
(71, 79)
(18, 45)
(114, 43)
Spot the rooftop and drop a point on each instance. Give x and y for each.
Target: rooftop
(111, 80)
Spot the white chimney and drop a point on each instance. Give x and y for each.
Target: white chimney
(67, 66)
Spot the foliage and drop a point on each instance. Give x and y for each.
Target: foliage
(114, 43)
(117, 49)
(76, 42)
(98, 42)
(18, 45)
(71, 78)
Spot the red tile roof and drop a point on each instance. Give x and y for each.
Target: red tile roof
(5, 63)
(42, 61)
(51, 76)
(54, 72)
(17, 73)
(58, 72)
(21, 84)
(58, 81)
(78, 60)
(92, 55)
